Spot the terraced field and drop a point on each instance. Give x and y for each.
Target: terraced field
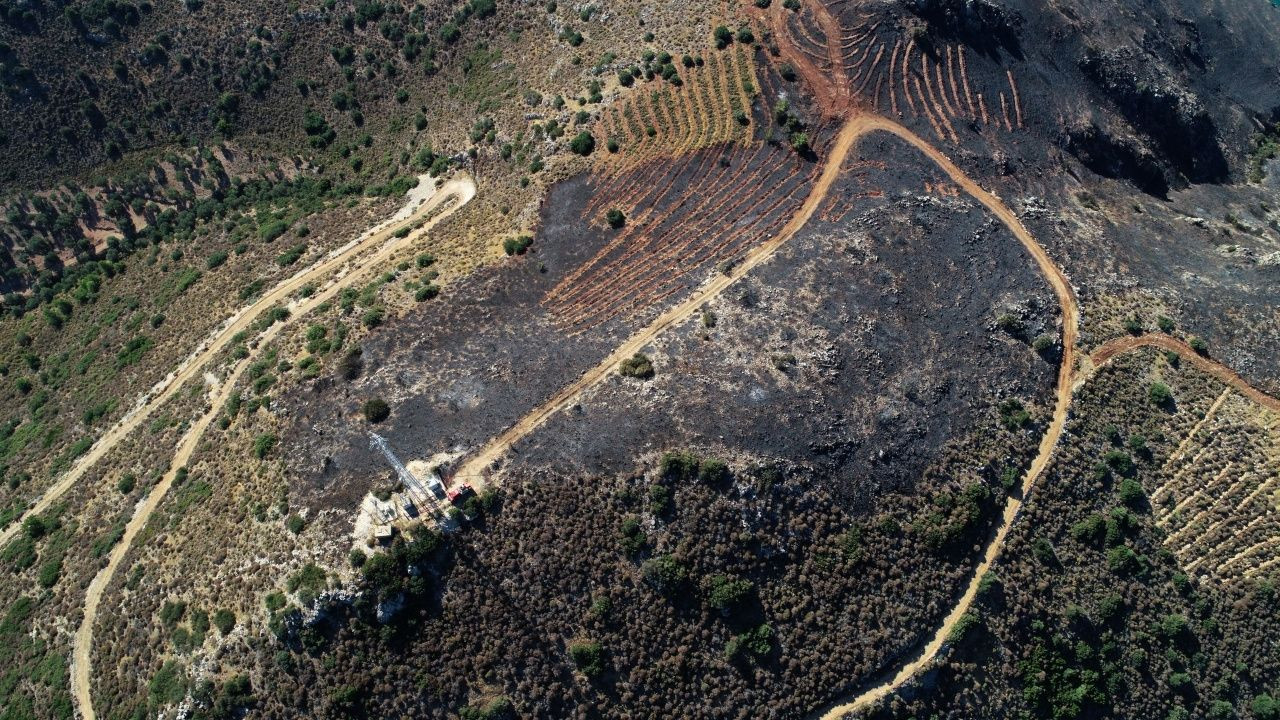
(856, 58)
(661, 120)
(745, 194)
(1219, 497)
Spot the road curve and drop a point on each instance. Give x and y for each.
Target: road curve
(857, 125)
(1062, 404)
(1110, 349)
(461, 190)
(218, 341)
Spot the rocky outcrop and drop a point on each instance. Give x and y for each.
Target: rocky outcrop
(1171, 116)
(1118, 158)
(981, 24)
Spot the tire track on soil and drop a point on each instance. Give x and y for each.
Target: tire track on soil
(214, 344)
(462, 190)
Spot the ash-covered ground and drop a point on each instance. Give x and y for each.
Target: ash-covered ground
(859, 350)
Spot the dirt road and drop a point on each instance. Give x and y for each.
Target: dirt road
(479, 462)
(1111, 349)
(192, 366)
(854, 128)
(1062, 405)
(460, 191)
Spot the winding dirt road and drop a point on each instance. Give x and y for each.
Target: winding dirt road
(857, 125)
(1062, 406)
(416, 208)
(459, 190)
(1119, 346)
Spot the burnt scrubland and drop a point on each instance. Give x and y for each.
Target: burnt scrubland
(514, 333)
(692, 589)
(824, 327)
(785, 501)
(1202, 266)
(1094, 610)
(828, 354)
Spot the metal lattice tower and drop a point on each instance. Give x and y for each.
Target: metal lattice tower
(411, 482)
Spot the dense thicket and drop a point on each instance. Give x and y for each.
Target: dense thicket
(691, 591)
(1089, 614)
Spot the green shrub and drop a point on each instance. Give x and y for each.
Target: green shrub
(168, 685)
(19, 554)
(426, 292)
(1265, 707)
(1090, 530)
(637, 366)
(1123, 561)
(615, 218)
(755, 643)
(964, 625)
(1159, 394)
(664, 573)
(713, 471)
(133, 351)
(851, 544)
(588, 657)
(376, 410)
(274, 601)
(295, 523)
(310, 577)
(659, 499)
(723, 36)
(263, 444)
(224, 620)
(633, 539)
(517, 245)
(50, 571)
(1132, 494)
(1009, 323)
(1119, 461)
(126, 483)
(291, 256)
(36, 527)
(583, 143)
(273, 230)
(1013, 415)
(724, 592)
(679, 465)
(172, 612)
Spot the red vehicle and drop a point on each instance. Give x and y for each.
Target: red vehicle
(460, 494)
